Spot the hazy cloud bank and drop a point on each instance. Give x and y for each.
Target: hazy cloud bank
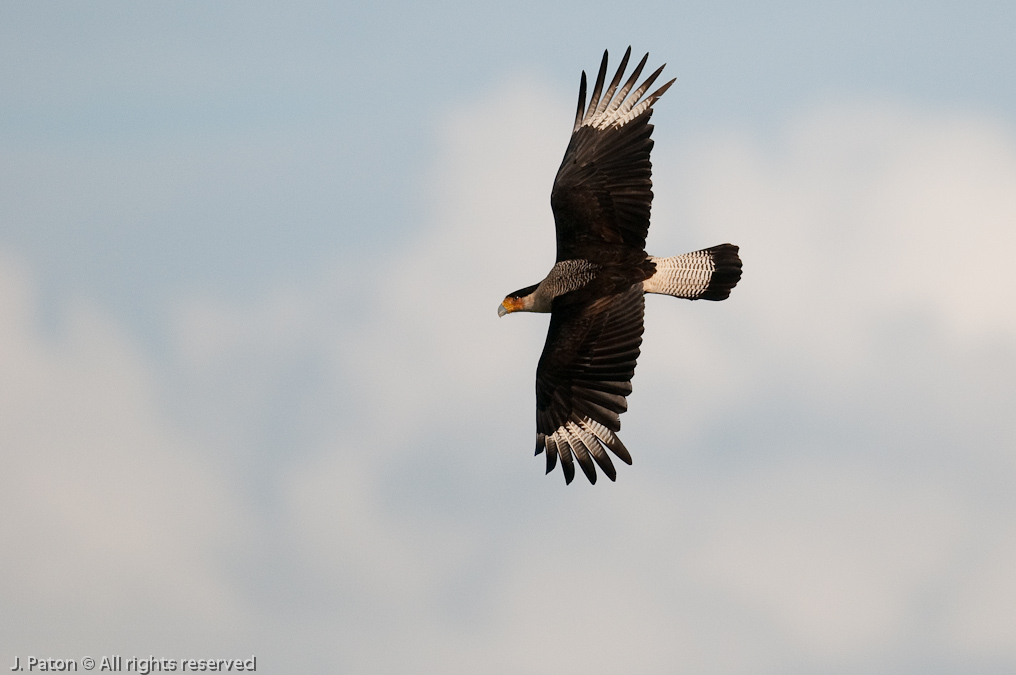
(823, 464)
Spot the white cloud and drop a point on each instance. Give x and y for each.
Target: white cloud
(834, 556)
(819, 558)
(870, 208)
(812, 458)
(984, 622)
(109, 517)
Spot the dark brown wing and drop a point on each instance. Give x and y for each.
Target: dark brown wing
(603, 190)
(584, 376)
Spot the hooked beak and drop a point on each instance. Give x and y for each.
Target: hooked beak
(501, 310)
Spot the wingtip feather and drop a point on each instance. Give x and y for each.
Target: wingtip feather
(582, 101)
(594, 97)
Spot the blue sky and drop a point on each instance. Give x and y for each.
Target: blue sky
(257, 399)
(351, 97)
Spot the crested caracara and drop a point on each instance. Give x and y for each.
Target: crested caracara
(594, 293)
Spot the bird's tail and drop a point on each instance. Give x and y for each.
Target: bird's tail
(708, 274)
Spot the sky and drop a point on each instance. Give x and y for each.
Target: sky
(256, 398)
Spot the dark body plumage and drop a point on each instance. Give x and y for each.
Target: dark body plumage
(601, 199)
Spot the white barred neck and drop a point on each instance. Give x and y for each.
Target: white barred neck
(564, 277)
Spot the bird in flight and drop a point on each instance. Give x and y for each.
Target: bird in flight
(595, 292)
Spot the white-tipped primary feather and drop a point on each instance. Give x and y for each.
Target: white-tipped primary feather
(615, 108)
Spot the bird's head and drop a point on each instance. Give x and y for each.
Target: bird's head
(519, 301)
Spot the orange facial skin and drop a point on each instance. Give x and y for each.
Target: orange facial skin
(509, 305)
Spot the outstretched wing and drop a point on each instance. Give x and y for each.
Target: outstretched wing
(583, 378)
(603, 190)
